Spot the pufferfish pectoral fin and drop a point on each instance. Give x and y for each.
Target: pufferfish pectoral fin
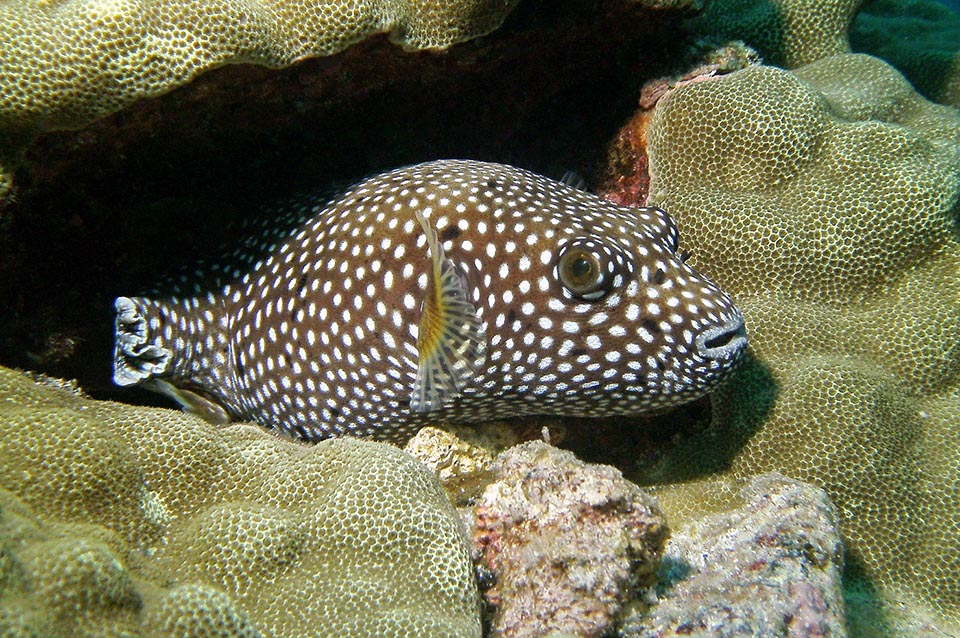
(452, 340)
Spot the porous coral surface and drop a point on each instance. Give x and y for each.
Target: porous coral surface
(826, 201)
(920, 37)
(66, 63)
(145, 522)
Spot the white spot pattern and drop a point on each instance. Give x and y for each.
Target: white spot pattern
(318, 339)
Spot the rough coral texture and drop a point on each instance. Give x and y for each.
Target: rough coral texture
(66, 63)
(826, 201)
(769, 568)
(787, 33)
(567, 542)
(145, 522)
(919, 37)
(117, 52)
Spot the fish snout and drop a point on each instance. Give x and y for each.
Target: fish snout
(723, 342)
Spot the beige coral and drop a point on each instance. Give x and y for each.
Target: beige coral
(132, 521)
(68, 62)
(826, 201)
(920, 37)
(462, 468)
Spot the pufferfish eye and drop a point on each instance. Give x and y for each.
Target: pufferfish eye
(583, 272)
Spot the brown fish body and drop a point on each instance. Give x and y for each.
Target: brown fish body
(452, 290)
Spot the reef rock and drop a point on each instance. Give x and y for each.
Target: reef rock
(826, 201)
(567, 543)
(769, 568)
(117, 520)
(463, 467)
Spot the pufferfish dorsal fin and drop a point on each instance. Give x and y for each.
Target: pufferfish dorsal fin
(574, 180)
(451, 340)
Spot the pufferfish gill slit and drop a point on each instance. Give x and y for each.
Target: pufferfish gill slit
(450, 291)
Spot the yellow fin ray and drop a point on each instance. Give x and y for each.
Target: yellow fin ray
(451, 341)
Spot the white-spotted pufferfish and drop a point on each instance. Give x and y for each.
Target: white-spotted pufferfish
(448, 291)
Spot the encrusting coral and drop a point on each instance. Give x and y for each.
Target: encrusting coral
(462, 468)
(66, 63)
(826, 201)
(116, 520)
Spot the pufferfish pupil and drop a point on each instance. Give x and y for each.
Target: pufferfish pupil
(455, 291)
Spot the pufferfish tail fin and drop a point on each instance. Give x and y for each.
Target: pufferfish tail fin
(451, 340)
(135, 357)
(139, 359)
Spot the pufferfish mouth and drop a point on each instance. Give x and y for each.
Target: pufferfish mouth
(725, 341)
